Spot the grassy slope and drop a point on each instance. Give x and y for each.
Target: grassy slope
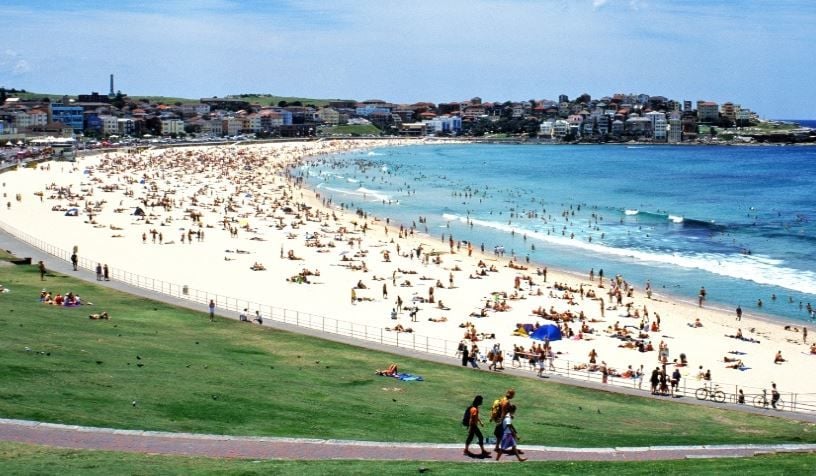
(233, 378)
(261, 99)
(357, 129)
(273, 100)
(23, 459)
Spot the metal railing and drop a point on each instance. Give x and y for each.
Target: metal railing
(795, 402)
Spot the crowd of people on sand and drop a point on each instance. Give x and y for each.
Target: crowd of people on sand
(242, 186)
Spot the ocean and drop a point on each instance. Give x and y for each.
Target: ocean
(740, 221)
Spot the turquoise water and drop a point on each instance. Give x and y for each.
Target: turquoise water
(740, 221)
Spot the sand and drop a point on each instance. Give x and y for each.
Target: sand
(250, 213)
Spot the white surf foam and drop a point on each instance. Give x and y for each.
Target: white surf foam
(757, 268)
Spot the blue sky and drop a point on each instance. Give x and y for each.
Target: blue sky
(755, 53)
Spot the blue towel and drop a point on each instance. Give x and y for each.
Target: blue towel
(409, 378)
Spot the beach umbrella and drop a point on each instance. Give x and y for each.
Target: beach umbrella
(549, 332)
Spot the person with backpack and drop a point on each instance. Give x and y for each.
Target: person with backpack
(472, 421)
(498, 411)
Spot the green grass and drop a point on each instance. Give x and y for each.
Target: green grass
(187, 374)
(168, 100)
(265, 99)
(22, 459)
(353, 129)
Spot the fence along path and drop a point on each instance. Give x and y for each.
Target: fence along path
(793, 402)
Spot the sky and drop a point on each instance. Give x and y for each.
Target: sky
(758, 54)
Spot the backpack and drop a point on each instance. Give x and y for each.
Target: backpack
(466, 417)
(496, 410)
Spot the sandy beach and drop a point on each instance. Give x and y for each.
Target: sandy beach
(229, 220)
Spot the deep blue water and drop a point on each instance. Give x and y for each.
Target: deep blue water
(811, 123)
(740, 221)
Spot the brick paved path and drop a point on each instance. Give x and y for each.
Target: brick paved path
(188, 444)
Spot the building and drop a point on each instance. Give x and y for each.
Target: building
(126, 126)
(561, 128)
(328, 115)
(71, 116)
(444, 125)
(675, 128)
(251, 124)
(603, 124)
(195, 109)
(110, 125)
(658, 125)
(367, 110)
(213, 128)
(231, 126)
(172, 127)
(93, 97)
(638, 126)
(743, 117)
(547, 129)
(729, 111)
(617, 128)
(708, 111)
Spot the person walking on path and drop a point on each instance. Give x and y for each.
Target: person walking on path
(501, 412)
(99, 271)
(41, 266)
(509, 439)
(74, 260)
(474, 422)
(106, 272)
(212, 310)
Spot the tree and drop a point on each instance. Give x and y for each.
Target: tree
(283, 103)
(118, 100)
(153, 126)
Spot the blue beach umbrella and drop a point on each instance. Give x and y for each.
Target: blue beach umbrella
(549, 332)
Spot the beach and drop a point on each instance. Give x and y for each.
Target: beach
(232, 220)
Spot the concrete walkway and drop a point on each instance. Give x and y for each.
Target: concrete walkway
(220, 446)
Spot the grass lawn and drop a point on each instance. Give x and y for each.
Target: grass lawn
(24, 459)
(353, 129)
(187, 374)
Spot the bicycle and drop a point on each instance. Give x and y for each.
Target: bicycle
(713, 393)
(761, 401)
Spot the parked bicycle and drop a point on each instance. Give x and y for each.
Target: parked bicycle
(712, 392)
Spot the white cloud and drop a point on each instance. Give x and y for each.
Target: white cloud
(12, 62)
(21, 67)
(596, 4)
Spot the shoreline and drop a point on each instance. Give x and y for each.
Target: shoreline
(259, 206)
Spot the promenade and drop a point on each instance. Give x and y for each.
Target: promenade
(221, 446)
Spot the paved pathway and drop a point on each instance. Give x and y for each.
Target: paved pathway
(188, 444)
